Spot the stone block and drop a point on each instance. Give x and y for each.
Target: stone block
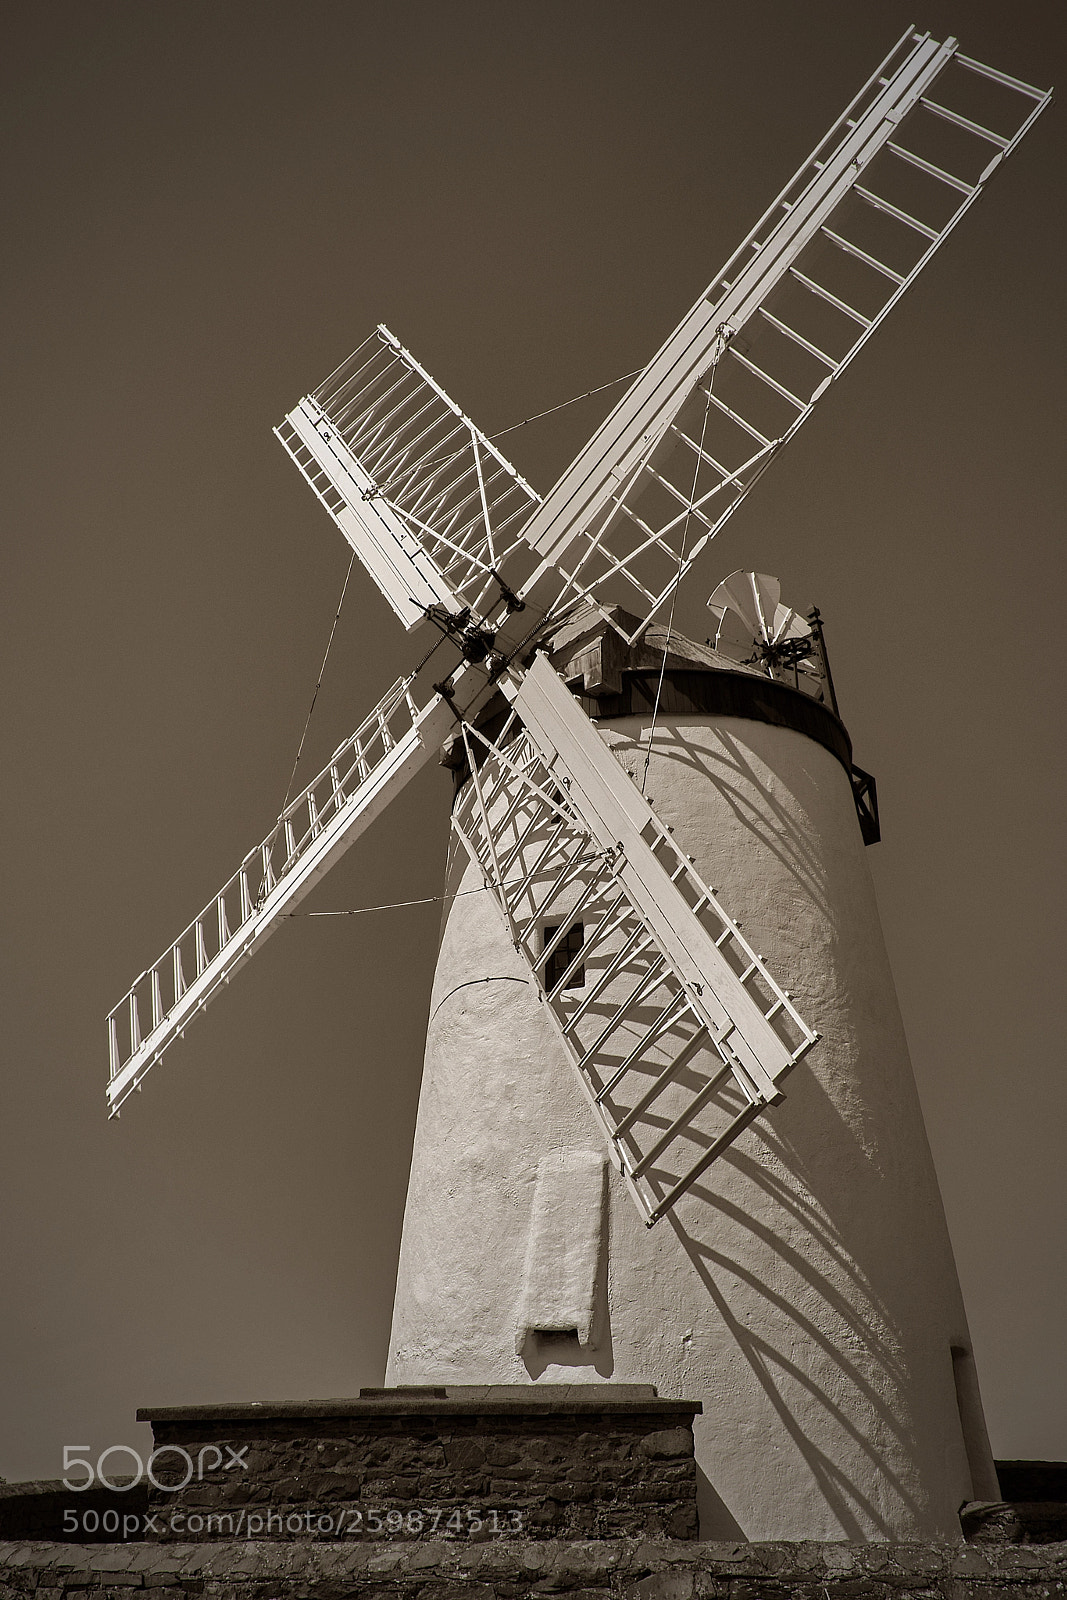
(568, 1493)
(990, 1522)
(918, 1558)
(681, 1523)
(464, 1453)
(667, 1443)
(546, 1452)
(19, 1555)
(671, 1585)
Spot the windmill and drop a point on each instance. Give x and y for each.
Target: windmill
(627, 961)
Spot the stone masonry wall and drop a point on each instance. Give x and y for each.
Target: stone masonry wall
(544, 1570)
(584, 1476)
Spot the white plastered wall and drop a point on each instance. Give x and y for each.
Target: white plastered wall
(805, 1290)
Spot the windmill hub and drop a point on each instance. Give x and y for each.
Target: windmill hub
(475, 641)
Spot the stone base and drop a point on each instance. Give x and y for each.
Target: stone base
(582, 1461)
(612, 1569)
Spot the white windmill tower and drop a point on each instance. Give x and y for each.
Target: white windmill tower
(602, 1030)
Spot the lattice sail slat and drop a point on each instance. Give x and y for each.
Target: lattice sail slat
(787, 314)
(428, 503)
(678, 1032)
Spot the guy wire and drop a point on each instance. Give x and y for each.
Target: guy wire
(318, 686)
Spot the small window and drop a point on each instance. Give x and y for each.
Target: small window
(569, 946)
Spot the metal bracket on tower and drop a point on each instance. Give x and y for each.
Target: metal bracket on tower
(865, 794)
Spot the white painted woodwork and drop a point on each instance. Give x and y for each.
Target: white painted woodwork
(679, 1033)
(428, 503)
(405, 574)
(644, 496)
(620, 815)
(362, 776)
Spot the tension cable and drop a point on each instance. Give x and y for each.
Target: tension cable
(426, 900)
(318, 686)
(564, 403)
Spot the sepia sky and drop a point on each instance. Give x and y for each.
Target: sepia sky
(206, 207)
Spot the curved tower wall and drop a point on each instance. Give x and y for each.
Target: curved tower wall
(804, 1290)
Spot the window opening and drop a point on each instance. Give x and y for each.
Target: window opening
(569, 946)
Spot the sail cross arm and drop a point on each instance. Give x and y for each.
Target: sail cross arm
(660, 882)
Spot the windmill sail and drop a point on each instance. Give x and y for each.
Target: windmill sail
(786, 315)
(362, 776)
(427, 502)
(679, 1033)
